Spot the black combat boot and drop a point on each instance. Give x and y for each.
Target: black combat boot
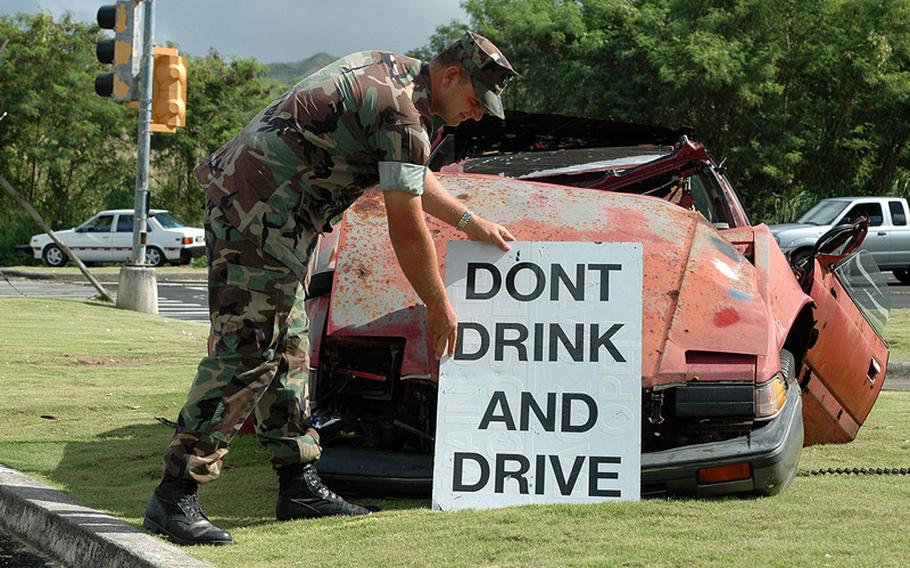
(302, 495)
(174, 511)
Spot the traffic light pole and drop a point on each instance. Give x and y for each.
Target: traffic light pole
(138, 289)
(140, 218)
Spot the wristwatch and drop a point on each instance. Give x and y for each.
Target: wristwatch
(465, 219)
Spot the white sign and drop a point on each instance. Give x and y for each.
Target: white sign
(542, 401)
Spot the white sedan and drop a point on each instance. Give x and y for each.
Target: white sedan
(108, 237)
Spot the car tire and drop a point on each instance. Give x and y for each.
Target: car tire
(902, 274)
(154, 257)
(787, 365)
(799, 255)
(54, 257)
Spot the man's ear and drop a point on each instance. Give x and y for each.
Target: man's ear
(450, 75)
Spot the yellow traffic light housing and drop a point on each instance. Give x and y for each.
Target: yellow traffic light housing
(169, 96)
(124, 51)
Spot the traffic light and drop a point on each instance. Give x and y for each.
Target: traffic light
(169, 97)
(124, 51)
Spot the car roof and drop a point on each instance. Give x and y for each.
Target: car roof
(528, 132)
(855, 197)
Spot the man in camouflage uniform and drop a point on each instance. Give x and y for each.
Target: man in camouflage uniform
(271, 191)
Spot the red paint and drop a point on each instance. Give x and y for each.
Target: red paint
(726, 317)
(676, 295)
(679, 343)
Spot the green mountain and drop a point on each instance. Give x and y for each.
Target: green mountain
(294, 71)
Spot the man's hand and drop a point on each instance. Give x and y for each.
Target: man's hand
(442, 325)
(447, 208)
(479, 229)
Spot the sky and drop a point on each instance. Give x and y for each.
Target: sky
(278, 30)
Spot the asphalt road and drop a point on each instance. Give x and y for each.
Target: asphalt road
(189, 300)
(900, 293)
(186, 301)
(14, 553)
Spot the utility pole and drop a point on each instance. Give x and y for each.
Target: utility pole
(138, 287)
(154, 81)
(143, 145)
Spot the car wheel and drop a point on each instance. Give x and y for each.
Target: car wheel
(154, 257)
(903, 275)
(53, 256)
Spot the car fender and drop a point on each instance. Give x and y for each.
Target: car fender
(41, 241)
(778, 285)
(37, 244)
(800, 241)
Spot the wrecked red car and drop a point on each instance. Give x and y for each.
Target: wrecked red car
(745, 358)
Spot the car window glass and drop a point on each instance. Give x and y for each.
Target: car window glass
(867, 287)
(708, 199)
(125, 224)
(702, 197)
(168, 221)
(898, 217)
(100, 224)
(871, 210)
(824, 213)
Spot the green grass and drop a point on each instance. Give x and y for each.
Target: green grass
(81, 384)
(897, 332)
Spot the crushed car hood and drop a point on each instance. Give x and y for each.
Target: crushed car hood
(700, 294)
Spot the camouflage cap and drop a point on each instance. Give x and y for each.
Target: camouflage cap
(489, 68)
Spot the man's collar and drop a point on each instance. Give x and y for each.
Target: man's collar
(421, 96)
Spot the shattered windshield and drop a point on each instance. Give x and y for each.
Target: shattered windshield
(590, 167)
(547, 164)
(824, 213)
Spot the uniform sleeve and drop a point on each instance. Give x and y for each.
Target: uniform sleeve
(407, 150)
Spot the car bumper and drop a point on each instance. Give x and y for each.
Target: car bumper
(189, 253)
(772, 451)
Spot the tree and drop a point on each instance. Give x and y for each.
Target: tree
(805, 99)
(72, 153)
(65, 149)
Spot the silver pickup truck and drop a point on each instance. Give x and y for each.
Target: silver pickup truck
(888, 238)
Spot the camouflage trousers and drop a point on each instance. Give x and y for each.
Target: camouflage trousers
(259, 361)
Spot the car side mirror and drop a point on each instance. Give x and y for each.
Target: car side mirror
(80, 230)
(842, 240)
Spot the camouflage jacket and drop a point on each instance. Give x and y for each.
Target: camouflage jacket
(304, 159)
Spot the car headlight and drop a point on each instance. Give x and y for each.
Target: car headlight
(770, 397)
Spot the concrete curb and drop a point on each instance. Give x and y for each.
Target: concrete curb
(77, 535)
